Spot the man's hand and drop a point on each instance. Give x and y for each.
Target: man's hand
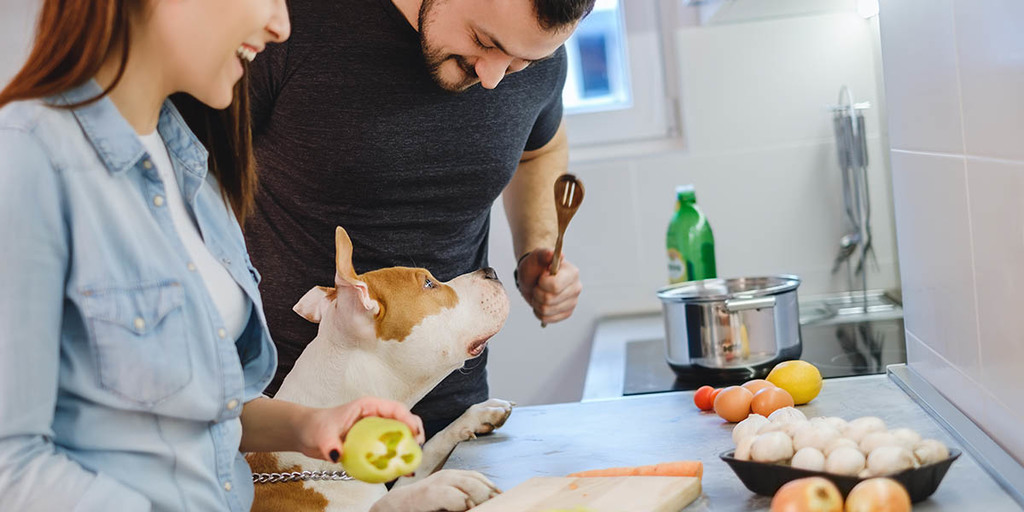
(552, 297)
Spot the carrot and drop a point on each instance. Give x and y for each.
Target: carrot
(675, 468)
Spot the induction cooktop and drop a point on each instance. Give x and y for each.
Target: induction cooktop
(837, 349)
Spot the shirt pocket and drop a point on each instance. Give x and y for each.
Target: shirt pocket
(139, 337)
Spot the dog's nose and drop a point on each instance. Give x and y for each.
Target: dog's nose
(489, 273)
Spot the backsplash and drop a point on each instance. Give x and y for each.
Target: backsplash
(954, 74)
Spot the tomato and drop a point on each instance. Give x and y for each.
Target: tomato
(378, 450)
(702, 398)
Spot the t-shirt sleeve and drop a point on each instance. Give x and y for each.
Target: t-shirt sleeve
(266, 77)
(550, 116)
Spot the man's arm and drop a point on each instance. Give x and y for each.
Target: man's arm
(529, 201)
(529, 197)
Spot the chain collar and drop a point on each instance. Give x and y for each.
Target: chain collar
(295, 476)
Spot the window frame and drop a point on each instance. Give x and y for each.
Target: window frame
(653, 119)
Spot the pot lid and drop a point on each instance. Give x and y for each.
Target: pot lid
(710, 290)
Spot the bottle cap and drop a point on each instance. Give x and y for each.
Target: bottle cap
(686, 191)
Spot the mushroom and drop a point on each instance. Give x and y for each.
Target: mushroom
(861, 427)
(877, 439)
(786, 415)
(930, 451)
(748, 427)
(771, 447)
(743, 448)
(816, 436)
(887, 460)
(838, 443)
(809, 458)
(907, 437)
(845, 460)
(836, 423)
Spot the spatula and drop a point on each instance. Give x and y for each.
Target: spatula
(568, 196)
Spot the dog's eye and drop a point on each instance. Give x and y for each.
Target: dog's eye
(429, 284)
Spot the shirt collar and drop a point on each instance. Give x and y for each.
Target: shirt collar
(115, 140)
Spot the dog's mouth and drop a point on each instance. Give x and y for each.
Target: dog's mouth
(477, 347)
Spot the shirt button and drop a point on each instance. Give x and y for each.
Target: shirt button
(220, 332)
(191, 266)
(227, 486)
(232, 404)
(147, 164)
(139, 323)
(158, 201)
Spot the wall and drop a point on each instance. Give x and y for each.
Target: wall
(954, 74)
(17, 25)
(759, 148)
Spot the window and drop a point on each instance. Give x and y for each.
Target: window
(616, 90)
(598, 78)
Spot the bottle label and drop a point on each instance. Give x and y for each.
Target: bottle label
(676, 267)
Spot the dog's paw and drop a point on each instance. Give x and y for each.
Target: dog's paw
(453, 490)
(484, 417)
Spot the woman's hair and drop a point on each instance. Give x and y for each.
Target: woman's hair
(73, 40)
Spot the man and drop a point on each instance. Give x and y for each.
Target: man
(402, 121)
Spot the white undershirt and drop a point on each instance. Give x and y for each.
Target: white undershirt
(229, 298)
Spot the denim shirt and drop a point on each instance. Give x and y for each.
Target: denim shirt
(119, 389)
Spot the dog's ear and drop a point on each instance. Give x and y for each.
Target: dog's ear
(345, 273)
(310, 306)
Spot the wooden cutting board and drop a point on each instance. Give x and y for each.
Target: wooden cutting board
(597, 494)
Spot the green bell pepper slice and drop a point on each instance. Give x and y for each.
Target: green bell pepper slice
(378, 450)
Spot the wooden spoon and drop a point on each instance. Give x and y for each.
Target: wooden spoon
(568, 196)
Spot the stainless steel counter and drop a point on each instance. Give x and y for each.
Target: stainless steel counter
(554, 440)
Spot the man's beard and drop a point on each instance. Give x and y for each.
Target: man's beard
(435, 58)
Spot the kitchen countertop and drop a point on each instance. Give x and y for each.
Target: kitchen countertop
(554, 440)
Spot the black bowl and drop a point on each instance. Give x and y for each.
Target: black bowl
(765, 479)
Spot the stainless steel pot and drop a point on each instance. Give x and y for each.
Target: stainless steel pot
(731, 328)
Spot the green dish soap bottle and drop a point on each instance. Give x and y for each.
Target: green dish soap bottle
(690, 243)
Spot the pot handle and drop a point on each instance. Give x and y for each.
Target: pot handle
(734, 305)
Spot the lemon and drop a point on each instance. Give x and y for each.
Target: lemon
(800, 378)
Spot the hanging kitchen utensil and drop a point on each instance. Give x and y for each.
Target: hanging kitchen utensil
(851, 146)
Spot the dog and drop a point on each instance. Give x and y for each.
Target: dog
(392, 333)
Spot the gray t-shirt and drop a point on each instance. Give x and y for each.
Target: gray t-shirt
(351, 130)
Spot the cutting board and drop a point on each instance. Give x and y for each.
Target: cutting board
(597, 494)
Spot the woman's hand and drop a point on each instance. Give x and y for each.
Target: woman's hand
(322, 431)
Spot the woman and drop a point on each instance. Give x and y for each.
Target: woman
(133, 345)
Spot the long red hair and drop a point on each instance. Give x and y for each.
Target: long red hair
(73, 40)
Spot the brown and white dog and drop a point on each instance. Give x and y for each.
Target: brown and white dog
(392, 333)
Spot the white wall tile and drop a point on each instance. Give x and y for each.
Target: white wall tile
(997, 220)
(991, 55)
(1002, 422)
(947, 378)
(772, 211)
(751, 85)
(921, 89)
(936, 264)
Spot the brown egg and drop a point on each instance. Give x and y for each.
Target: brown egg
(768, 400)
(757, 385)
(733, 403)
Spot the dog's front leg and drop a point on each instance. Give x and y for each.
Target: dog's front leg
(481, 418)
(450, 490)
